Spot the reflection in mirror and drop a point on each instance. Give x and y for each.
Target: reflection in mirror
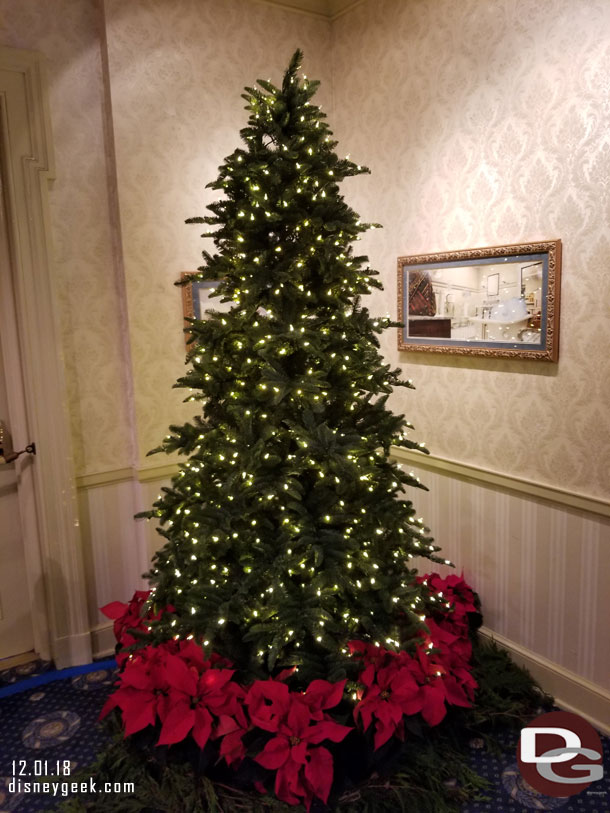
(197, 298)
(500, 301)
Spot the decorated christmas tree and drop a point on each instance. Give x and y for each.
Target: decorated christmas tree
(288, 647)
(286, 534)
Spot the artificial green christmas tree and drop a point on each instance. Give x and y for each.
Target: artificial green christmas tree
(286, 534)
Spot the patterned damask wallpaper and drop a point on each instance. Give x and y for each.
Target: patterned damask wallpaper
(487, 122)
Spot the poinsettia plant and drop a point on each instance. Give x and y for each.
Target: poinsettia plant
(396, 685)
(456, 596)
(304, 768)
(183, 693)
(131, 621)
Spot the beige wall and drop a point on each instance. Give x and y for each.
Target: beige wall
(485, 122)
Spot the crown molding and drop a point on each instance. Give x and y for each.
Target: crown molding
(323, 9)
(339, 7)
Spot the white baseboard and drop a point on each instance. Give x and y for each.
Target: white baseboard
(72, 650)
(103, 641)
(571, 692)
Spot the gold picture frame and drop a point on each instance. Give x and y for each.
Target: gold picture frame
(196, 300)
(452, 302)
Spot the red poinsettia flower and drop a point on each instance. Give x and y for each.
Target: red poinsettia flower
(303, 770)
(451, 659)
(232, 748)
(461, 593)
(389, 693)
(455, 593)
(438, 684)
(231, 730)
(127, 615)
(401, 683)
(141, 695)
(131, 616)
(196, 699)
(193, 654)
(370, 653)
(268, 702)
(120, 610)
(321, 695)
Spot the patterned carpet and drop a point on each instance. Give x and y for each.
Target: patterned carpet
(33, 668)
(48, 723)
(48, 726)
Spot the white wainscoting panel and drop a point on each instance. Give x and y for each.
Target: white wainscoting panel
(542, 570)
(116, 551)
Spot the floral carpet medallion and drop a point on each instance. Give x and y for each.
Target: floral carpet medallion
(50, 729)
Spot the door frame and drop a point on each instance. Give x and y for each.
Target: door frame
(53, 553)
(17, 421)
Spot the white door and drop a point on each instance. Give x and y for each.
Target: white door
(16, 630)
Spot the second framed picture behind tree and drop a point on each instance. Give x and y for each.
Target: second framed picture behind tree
(197, 298)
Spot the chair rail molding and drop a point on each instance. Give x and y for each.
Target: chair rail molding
(325, 9)
(505, 482)
(29, 166)
(451, 468)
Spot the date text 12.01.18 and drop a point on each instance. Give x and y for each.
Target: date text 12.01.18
(41, 767)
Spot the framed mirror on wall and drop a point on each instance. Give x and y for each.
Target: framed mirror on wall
(196, 299)
(501, 301)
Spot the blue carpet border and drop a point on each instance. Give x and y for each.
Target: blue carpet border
(57, 674)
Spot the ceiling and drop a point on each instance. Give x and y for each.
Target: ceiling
(329, 9)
